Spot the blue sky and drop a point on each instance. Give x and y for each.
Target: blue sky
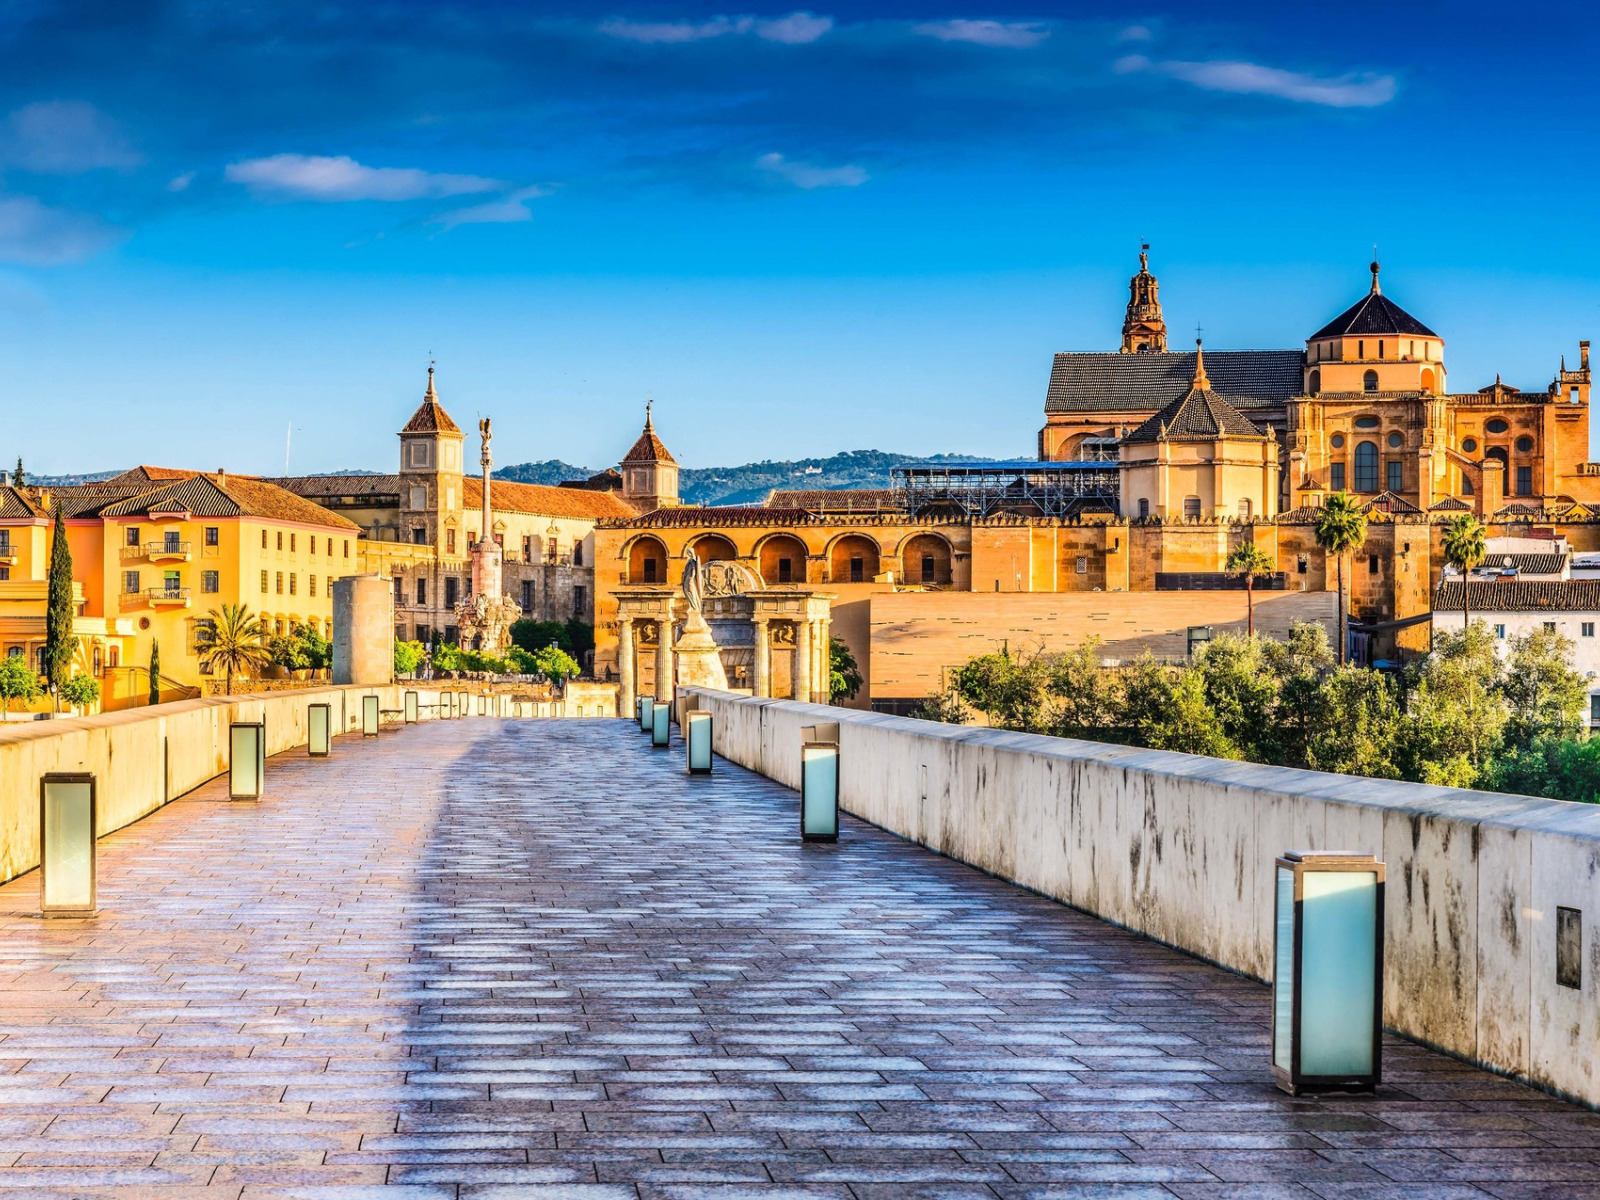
(844, 227)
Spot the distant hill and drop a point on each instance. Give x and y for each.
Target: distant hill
(750, 483)
(68, 480)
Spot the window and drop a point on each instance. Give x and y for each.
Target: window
(130, 582)
(1366, 466)
(1300, 564)
(1468, 445)
(1466, 486)
(211, 535)
(280, 539)
(424, 634)
(858, 570)
(210, 582)
(1191, 506)
(785, 570)
(1361, 349)
(527, 595)
(1336, 477)
(1525, 445)
(346, 547)
(1500, 631)
(171, 582)
(263, 583)
(1396, 440)
(399, 593)
(1549, 626)
(169, 541)
(1337, 441)
(649, 570)
(1369, 382)
(1396, 476)
(263, 539)
(419, 454)
(1587, 628)
(132, 534)
(1082, 566)
(5, 541)
(291, 543)
(280, 583)
(1244, 510)
(1380, 347)
(1144, 508)
(580, 600)
(1367, 422)
(291, 583)
(577, 554)
(1524, 481)
(1496, 426)
(1594, 709)
(311, 585)
(5, 573)
(422, 593)
(449, 541)
(452, 590)
(419, 536)
(527, 549)
(419, 498)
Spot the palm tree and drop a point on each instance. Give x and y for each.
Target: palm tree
(1340, 529)
(1250, 560)
(1463, 546)
(235, 641)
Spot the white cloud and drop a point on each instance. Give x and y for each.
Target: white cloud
(316, 177)
(37, 235)
(1011, 35)
(64, 137)
(1356, 90)
(804, 175)
(509, 210)
(180, 183)
(797, 28)
(1136, 33)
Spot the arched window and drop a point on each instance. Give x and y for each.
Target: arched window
(1428, 383)
(1244, 510)
(1366, 466)
(1144, 508)
(1369, 381)
(1191, 506)
(1315, 385)
(1499, 455)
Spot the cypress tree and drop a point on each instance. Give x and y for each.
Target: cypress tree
(59, 643)
(18, 479)
(155, 671)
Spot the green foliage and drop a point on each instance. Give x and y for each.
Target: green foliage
(233, 640)
(1558, 767)
(1249, 560)
(1300, 663)
(946, 708)
(1241, 689)
(60, 643)
(534, 636)
(1341, 527)
(155, 671)
(844, 675)
(302, 648)
(17, 680)
(1463, 542)
(407, 657)
(1357, 720)
(447, 657)
(1544, 694)
(1455, 714)
(556, 665)
(1009, 691)
(1086, 697)
(80, 691)
(478, 660)
(18, 477)
(573, 638)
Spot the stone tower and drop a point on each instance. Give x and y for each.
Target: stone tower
(430, 473)
(1144, 331)
(649, 472)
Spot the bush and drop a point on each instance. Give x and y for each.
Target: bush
(447, 657)
(555, 664)
(407, 657)
(18, 681)
(80, 691)
(477, 660)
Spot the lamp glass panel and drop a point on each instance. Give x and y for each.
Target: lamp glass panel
(661, 725)
(411, 708)
(68, 845)
(1283, 972)
(369, 714)
(319, 722)
(244, 760)
(646, 713)
(1337, 960)
(697, 732)
(819, 771)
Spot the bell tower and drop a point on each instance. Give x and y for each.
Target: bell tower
(1144, 331)
(649, 472)
(430, 474)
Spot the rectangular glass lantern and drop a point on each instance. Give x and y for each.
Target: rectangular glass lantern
(661, 726)
(412, 706)
(638, 711)
(647, 710)
(319, 730)
(483, 705)
(1327, 989)
(67, 822)
(247, 760)
(371, 718)
(463, 704)
(819, 783)
(697, 741)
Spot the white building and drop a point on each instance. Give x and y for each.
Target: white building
(1514, 607)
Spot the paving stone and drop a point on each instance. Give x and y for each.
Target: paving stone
(497, 959)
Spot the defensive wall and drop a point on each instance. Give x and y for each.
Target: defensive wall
(1182, 847)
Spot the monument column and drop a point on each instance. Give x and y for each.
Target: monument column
(625, 666)
(664, 661)
(762, 684)
(802, 661)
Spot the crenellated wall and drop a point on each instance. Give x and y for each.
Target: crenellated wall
(1181, 848)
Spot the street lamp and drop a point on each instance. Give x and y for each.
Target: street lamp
(319, 730)
(819, 783)
(660, 726)
(647, 705)
(409, 702)
(1327, 985)
(370, 716)
(67, 850)
(697, 741)
(247, 759)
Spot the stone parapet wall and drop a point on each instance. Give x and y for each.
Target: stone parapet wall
(142, 758)
(1181, 848)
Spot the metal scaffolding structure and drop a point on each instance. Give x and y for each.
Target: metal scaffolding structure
(1023, 486)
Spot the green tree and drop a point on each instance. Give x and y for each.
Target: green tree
(534, 636)
(407, 657)
(844, 675)
(1355, 734)
(80, 691)
(1545, 695)
(1300, 663)
(946, 708)
(155, 672)
(233, 641)
(1249, 560)
(1241, 687)
(580, 638)
(60, 643)
(1341, 528)
(556, 665)
(1463, 546)
(1166, 709)
(447, 657)
(1557, 767)
(18, 681)
(19, 478)
(1086, 700)
(1009, 691)
(1455, 713)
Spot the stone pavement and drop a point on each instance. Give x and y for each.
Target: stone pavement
(534, 959)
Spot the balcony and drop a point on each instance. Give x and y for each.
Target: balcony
(163, 597)
(159, 552)
(8, 555)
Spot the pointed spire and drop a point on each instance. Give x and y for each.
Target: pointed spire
(430, 394)
(1201, 383)
(648, 405)
(1373, 266)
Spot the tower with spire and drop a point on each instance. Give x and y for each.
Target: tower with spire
(430, 474)
(649, 472)
(1144, 330)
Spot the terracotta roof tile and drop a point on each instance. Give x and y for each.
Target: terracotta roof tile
(430, 416)
(648, 448)
(16, 503)
(314, 486)
(833, 500)
(1521, 595)
(228, 496)
(542, 501)
(1197, 416)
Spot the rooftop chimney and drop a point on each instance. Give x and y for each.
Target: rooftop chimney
(1583, 355)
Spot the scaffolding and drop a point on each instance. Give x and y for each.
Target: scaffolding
(1024, 487)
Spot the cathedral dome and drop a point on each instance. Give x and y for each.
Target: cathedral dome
(1372, 315)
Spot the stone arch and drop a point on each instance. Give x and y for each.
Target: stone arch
(926, 558)
(781, 558)
(853, 558)
(1429, 381)
(708, 547)
(1314, 384)
(647, 560)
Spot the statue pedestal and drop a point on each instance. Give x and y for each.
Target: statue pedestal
(699, 664)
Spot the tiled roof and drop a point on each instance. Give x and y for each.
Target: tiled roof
(87, 500)
(430, 416)
(1134, 382)
(16, 504)
(1306, 514)
(1451, 504)
(1522, 595)
(1198, 416)
(545, 501)
(1373, 314)
(834, 499)
(314, 486)
(1528, 564)
(648, 448)
(230, 496)
(724, 516)
(143, 474)
(1391, 503)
